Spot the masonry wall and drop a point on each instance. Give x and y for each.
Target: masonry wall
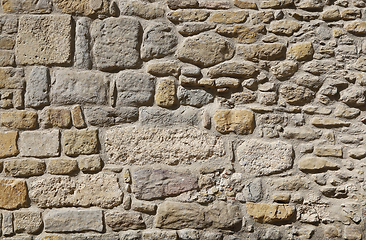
(182, 119)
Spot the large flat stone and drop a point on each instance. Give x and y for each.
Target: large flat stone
(139, 146)
(13, 194)
(44, 39)
(44, 143)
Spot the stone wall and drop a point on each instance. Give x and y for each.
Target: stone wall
(182, 119)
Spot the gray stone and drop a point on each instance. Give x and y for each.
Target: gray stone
(27, 222)
(194, 97)
(37, 88)
(24, 167)
(158, 41)
(7, 58)
(175, 4)
(63, 221)
(79, 87)
(252, 192)
(240, 69)
(9, 24)
(130, 235)
(303, 133)
(187, 15)
(211, 235)
(152, 234)
(278, 157)
(124, 220)
(189, 29)
(116, 42)
(108, 116)
(357, 153)
(44, 143)
(140, 146)
(84, 236)
(134, 88)
(188, 234)
(8, 228)
(318, 67)
(82, 42)
(284, 69)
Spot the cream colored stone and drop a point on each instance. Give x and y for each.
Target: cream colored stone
(301, 51)
(90, 164)
(27, 222)
(238, 121)
(19, 119)
(185, 15)
(329, 122)
(328, 151)
(8, 144)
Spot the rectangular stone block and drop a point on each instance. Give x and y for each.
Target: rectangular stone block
(11, 78)
(37, 89)
(64, 221)
(24, 167)
(8, 144)
(43, 143)
(13, 194)
(80, 142)
(27, 222)
(7, 58)
(19, 119)
(27, 6)
(44, 39)
(8, 228)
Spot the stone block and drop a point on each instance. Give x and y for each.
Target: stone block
(13, 194)
(82, 56)
(124, 221)
(37, 88)
(301, 51)
(144, 207)
(62, 166)
(233, 69)
(270, 213)
(90, 164)
(229, 17)
(194, 97)
(58, 117)
(8, 144)
(266, 51)
(25, 120)
(27, 222)
(284, 27)
(187, 15)
(27, 6)
(315, 164)
(8, 228)
(39, 143)
(7, 58)
(165, 95)
(108, 116)
(78, 117)
(24, 167)
(80, 142)
(12, 78)
(163, 68)
(238, 121)
(84, 7)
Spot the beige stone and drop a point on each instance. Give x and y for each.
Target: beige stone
(242, 33)
(175, 4)
(7, 43)
(39, 143)
(78, 117)
(357, 27)
(244, 97)
(187, 15)
(329, 122)
(7, 58)
(284, 69)
(62, 166)
(238, 121)
(294, 94)
(233, 69)
(13, 194)
(19, 119)
(217, 4)
(267, 51)
(124, 220)
(90, 164)
(245, 4)
(146, 10)
(229, 17)
(8, 144)
(80, 142)
(162, 69)
(165, 95)
(276, 3)
(193, 28)
(270, 213)
(58, 117)
(331, 15)
(27, 222)
(301, 51)
(328, 151)
(24, 167)
(315, 164)
(284, 27)
(143, 206)
(351, 14)
(12, 78)
(83, 7)
(27, 6)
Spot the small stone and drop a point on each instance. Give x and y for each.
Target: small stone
(8, 144)
(83, 7)
(284, 69)
(233, 69)
(7, 58)
(238, 121)
(263, 17)
(328, 122)
(8, 228)
(270, 213)
(78, 117)
(351, 14)
(144, 207)
(357, 27)
(7, 43)
(294, 94)
(165, 95)
(284, 27)
(80, 142)
(217, 4)
(44, 143)
(189, 29)
(175, 4)
(145, 10)
(304, 133)
(24, 120)
(27, 222)
(244, 97)
(211, 235)
(188, 234)
(357, 153)
(301, 51)
(152, 234)
(62, 166)
(194, 97)
(360, 64)
(267, 51)
(277, 4)
(13, 194)
(24, 167)
(229, 17)
(245, 4)
(163, 69)
(186, 15)
(267, 98)
(328, 151)
(331, 15)
(315, 164)
(281, 197)
(344, 111)
(18, 6)
(353, 96)
(77, 221)
(227, 82)
(58, 117)
(124, 221)
(37, 88)
(223, 215)
(90, 164)
(308, 80)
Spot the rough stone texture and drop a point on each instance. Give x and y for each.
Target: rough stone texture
(329, 122)
(77, 142)
(229, 17)
(8, 144)
(124, 221)
(28, 222)
(24, 167)
(301, 51)
(269, 213)
(165, 95)
(314, 164)
(284, 69)
(186, 15)
(14, 194)
(37, 88)
(58, 117)
(157, 234)
(233, 69)
(83, 7)
(90, 164)
(44, 40)
(78, 117)
(44, 143)
(162, 69)
(24, 120)
(250, 155)
(8, 228)
(82, 42)
(156, 145)
(62, 166)
(356, 27)
(19, 6)
(267, 51)
(238, 121)
(194, 97)
(294, 94)
(284, 27)
(107, 116)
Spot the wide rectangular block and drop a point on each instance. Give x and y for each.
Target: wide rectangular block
(39, 143)
(19, 119)
(27, 6)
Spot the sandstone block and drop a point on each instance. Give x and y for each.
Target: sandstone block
(37, 88)
(144, 9)
(193, 28)
(276, 4)
(294, 94)
(83, 7)
(331, 15)
(24, 167)
(233, 69)
(185, 15)
(163, 69)
(19, 6)
(284, 69)
(310, 5)
(165, 95)
(13, 194)
(24, 120)
(58, 117)
(124, 221)
(7, 58)
(302, 133)
(245, 4)
(194, 97)
(238, 121)
(301, 51)
(175, 4)
(357, 27)
(62, 166)
(267, 51)
(27, 222)
(78, 117)
(8, 144)
(229, 17)
(143, 206)
(11, 78)
(80, 142)
(108, 116)
(284, 27)
(7, 43)
(242, 33)
(328, 151)
(329, 122)
(315, 164)
(270, 213)
(44, 40)
(82, 58)
(90, 164)
(39, 143)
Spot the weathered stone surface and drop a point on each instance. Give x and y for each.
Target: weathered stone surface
(79, 87)
(24, 120)
(158, 41)
(329, 122)
(217, 4)
(7, 43)
(357, 153)
(229, 17)
(37, 88)
(301, 51)
(189, 29)
(315, 164)
(8, 228)
(284, 69)
(353, 96)
(163, 68)
(308, 80)
(24, 167)
(8, 144)
(143, 9)
(78, 117)
(311, 5)
(238, 121)
(108, 116)
(332, 14)
(194, 50)
(44, 39)
(130, 235)
(175, 4)
(194, 97)
(157, 234)
(242, 33)
(278, 157)
(104, 236)
(294, 94)
(144, 207)
(267, 51)
(77, 142)
(116, 42)
(276, 4)
(90, 164)
(64, 221)
(14, 194)
(245, 4)
(223, 216)
(150, 184)
(360, 64)
(100, 190)
(188, 234)
(284, 27)
(58, 117)
(20, 6)
(233, 69)
(165, 95)
(43, 143)
(83, 7)
(357, 27)
(7, 58)
(134, 88)
(303, 133)
(124, 220)
(328, 151)
(186, 15)
(62, 166)
(244, 97)
(270, 213)
(27, 222)
(82, 58)
(351, 14)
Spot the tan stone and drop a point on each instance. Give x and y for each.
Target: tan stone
(19, 119)
(77, 142)
(7, 43)
(7, 58)
(90, 164)
(242, 33)
(284, 27)
(193, 28)
(244, 97)
(227, 82)
(27, 6)
(245, 4)
(58, 117)
(270, 213)
(162, 69)
(187, 15)
(83, 7)
(233, 69)
(301, 51)
(13, 194)
(267, 51)
(276, 3)
(8, 144)
(165, 95)
(39, 143)
(124, 220)
(357, 27)
(238, 121)
(24, 167)
(315, 164)
(229, 17)
(27, 222)
(328, 151)
(62, 166)
(329, 122)
(147, 10)
(175, 4)
(12, 78)
(351, 14)
(294, 94)
(331, 15)
(78, 117)
(217, 4)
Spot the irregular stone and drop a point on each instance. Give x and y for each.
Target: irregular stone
(116, 42)
(267, 51)
(63, 221)
(14, 194)
(108, 116)
(244, 97)
(165, 95)
(79, 87)
(19, 6)
(277, 4)
(144, 10)
(175, 4)
(294, 94)
(214, 4)
(158, 41)
(124, 220)
(267, 98)
(58, 117)
(77, 142)
(238, 121)
(8, 228)
(270, 213)
(308, 80)
(44, 40)
(346, 112)
(188, 234)
(329, 122)
(24, 120)
(229, 17)
(242, 33)
(194, 97)
(194, 50)
(78, 117)
(62, 166)
(27, 222)
(8, 144)
(99, 189)
(278, 157)
(233, 69)
(223, 216)
(284, 69)
(331, 15)
(83, 7)
(310, 5)
(263, 17)
(351, 14)
(315, 164)
(189, 29)
(150, 184)
(328, 151)
(130, 235)
(211, 235)
(304, 133)
(24, 167)
(245, 4)
(82, 41)
(318, 67)
(90, 164)
(152, 234)
(353, 96)
(227, 82)
(293, 183)
(104, 236)
(7, 58)
(360, 64)
(44, 143)
(163, 69)
(37, 88)
(357, 153)
(357, 27)
(7, 43)
(134, 88)
(301, 51)
(284, 27)
(143, 206)
(186, 15)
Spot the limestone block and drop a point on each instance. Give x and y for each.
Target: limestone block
(80, 142)
(83, 7)
(24, 120)
(301, 51)
(37, 88)
(270, 213)
(315, 164)
(24, 167)
(44, 143)
(8, 144)
(28, 222)
(240, 121)
(58, 117)
(62, 166)
(118, 220)
(165, 95)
